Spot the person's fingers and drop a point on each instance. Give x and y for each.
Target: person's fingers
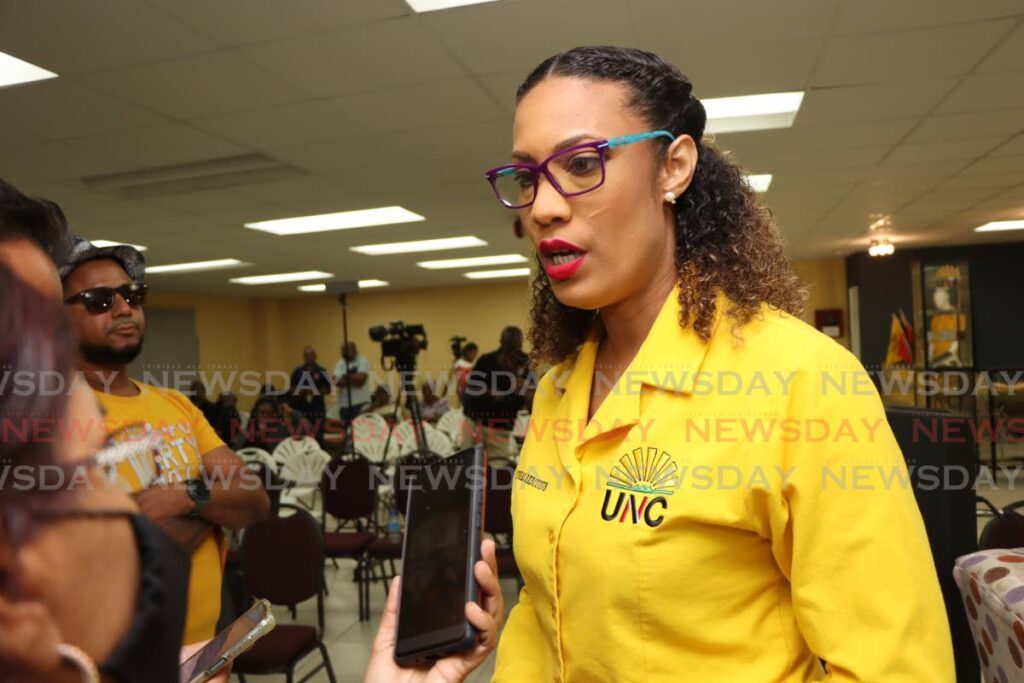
(385, 639)
(484, 622)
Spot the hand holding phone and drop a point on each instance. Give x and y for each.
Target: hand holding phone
(216, 656)
(485, 616)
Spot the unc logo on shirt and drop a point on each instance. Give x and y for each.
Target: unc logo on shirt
(637, 487)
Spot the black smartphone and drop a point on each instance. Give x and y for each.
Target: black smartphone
(444, 527)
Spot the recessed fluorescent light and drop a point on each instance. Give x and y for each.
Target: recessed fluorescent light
(999, 226)
(489, 274)
(363, 284)
(473, 262)
(14, 71)
(196, 266)
(108, 243)
(752, 112)
(344, 220)
(420, 245)
(281, 277)
(760, 181)
(434, 5)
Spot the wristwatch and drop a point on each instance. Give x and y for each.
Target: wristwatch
(199, 492)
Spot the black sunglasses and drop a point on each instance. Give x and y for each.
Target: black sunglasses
(101, 299)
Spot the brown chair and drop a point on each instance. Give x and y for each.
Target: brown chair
(349, 489)
(283, 562)
(498, 517)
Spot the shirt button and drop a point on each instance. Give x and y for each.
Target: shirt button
(551, 537)
(554, 611)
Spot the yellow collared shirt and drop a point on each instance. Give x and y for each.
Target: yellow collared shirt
(733, 512)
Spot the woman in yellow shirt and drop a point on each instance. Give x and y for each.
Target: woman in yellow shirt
(709, 490)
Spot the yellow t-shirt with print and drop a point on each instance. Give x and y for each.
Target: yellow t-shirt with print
(186, 436)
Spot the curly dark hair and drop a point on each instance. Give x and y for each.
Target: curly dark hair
(726, 240)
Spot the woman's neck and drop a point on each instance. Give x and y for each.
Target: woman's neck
(627, 322)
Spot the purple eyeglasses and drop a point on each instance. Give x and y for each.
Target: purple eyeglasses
(572, 171)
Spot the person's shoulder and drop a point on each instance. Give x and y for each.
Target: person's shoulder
(166, 395)
(775, 336)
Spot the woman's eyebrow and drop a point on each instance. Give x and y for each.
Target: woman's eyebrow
(568, 142)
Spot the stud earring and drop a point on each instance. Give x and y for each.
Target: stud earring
(670, 197)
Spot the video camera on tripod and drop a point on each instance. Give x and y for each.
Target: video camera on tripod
(400, 342)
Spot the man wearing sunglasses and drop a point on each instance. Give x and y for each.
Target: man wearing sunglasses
(199, 487)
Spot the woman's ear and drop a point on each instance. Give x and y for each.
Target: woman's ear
(679, 165)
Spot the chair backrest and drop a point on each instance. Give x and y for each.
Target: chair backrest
(374, 451)
(289, 447)
(451, 424)
(283, 558)
(1005, 530)
(404, 434)
(305, 467)
(349, 488)
(498, 507)
(437, 442)
(369, 427)
(257, 456)
(407, 469)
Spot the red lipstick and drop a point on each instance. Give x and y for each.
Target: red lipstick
(561, 259)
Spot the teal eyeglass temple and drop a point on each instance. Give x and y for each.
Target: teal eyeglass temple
(638, 137)
(542, 168)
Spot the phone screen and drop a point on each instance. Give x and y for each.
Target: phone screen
(435, 566)
(223, 642)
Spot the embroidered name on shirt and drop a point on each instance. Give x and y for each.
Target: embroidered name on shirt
(648, 475)
(531, 480)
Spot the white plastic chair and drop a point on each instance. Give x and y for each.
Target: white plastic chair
(373, 450)
(437, 442)
(257, 456)
(451, 424)
(404, 435)
(369, 427)
(305, 469)
(289, 448)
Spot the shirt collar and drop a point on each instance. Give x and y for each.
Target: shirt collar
(669, 358)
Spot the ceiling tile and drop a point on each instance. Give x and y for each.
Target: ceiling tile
(668, 20)
(871, 102)
(285, 126)
(994, 164)
(55, 162)
(1013, 147)
(436, 104)
(165, 145)
(374, 57)
(852, 134)
(867, 16)
(60, 108)
(1008, 56)
(940, 128)
(200, 85)
(236, 22)
(906, 55)
(986, 92)
(81, 37)
(510, 36)
(857, 157)
(927, 152)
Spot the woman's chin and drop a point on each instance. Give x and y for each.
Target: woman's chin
(580, 293)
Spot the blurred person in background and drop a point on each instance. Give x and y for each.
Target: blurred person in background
(432, 406)
(352, 375)
(197, 394)
(463, 364)
(497, 388)
(308, 387)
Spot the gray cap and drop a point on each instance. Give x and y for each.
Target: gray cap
(82, 250)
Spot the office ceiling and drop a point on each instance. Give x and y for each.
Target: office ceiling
(914, 109)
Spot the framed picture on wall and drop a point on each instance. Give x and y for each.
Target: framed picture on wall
(947, 316)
